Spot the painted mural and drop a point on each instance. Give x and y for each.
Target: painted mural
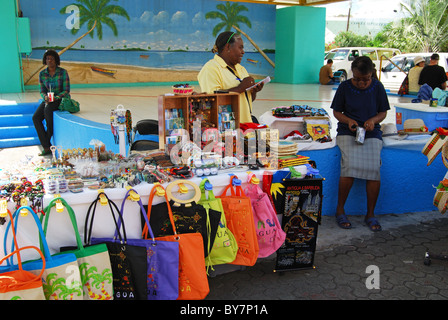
(122, 41)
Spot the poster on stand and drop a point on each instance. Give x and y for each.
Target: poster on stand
(299, 201)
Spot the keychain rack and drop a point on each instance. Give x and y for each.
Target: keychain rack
(179, 112)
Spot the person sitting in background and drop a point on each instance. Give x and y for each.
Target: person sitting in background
(326, 73)
(414, 75)
(54, 85)
(433, 74)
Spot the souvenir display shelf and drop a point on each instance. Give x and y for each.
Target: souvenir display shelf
(174, 112)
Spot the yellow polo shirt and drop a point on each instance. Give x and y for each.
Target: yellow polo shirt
(214, 75)
(413, 77)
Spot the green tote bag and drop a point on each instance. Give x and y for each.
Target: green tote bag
(225, 247)
(93, 261)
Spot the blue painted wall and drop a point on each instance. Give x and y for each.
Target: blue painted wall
(406, 182)
(71, 131)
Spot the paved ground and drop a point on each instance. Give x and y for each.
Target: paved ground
(341, 261)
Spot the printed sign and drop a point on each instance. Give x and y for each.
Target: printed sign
(300, 206)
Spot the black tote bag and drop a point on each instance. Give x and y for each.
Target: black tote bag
(129, 263)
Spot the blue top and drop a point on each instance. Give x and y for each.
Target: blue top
(360, 105)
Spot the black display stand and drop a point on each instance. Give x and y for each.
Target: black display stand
(299, 203)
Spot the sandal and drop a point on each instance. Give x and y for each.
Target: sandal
(373, 224)
(342, 222)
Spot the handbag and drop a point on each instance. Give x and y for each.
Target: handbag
(21, 284)
(128, 261)
(193, 282)
(225, 247)
(61, 278)
(240, 221)
(93, 261)
(70, 105)
(270, 235)
(162, 259)
(191, 216)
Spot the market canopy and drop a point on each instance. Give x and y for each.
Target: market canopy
(292, 2)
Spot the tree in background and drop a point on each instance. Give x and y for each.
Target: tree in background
(350, 39)
(392, 36)
(425, 29)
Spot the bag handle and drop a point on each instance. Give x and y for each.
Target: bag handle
(193, 200)
(43, 240)
(14, 237)
(234, 186)
(142, 210)
(153, 192)
(205, 185)
(17, 251)
(92, 208)
(71, 214)
(253, 185)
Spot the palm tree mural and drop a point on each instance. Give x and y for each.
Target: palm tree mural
(94, 13)
(230, 17)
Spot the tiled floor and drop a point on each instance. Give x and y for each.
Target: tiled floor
(142, 101)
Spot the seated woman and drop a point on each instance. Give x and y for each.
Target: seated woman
(224, 72)
(414, 75)
(360, 102)
(54, 85)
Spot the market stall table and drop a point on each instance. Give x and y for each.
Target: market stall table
(60, 230)
(287, 125)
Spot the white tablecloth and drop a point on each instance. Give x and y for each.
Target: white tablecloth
(287, 125)
(60, 232)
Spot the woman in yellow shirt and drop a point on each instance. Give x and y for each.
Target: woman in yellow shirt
(224, 72)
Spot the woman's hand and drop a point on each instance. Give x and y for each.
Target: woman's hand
(369, 125)
(258, 87)
(246, 83)
(352, 124)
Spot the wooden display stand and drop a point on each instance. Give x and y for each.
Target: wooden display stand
(185, 102)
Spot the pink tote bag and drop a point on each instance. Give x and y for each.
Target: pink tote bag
(270, 234)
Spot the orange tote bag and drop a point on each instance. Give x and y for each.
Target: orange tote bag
(240, 221)
(21, 284)
(193, 282)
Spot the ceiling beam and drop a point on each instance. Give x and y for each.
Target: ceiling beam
(291, 2)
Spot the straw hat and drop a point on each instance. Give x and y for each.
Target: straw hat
(389, 129)
(415, 125)
(434, 146)
(418, 59)
(440, 200)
